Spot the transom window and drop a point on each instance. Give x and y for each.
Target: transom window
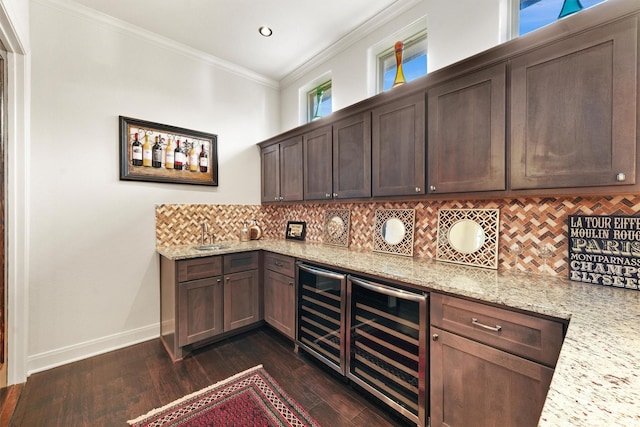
(414, 61)
(533, 14)
(319, 101)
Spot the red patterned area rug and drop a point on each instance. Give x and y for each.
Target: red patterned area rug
(250, 398)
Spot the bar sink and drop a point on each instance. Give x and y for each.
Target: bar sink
(211, 247)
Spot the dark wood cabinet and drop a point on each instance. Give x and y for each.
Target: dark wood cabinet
(466, 129)
(242, 296)
(398, 147)
(206, 298)
(573, 110)
(352, 156)
(282, 172)
(318, 164)
(489, 366)
(473, 384)
(241, 299)
(337, 159)
(200, 312)
(279, 293)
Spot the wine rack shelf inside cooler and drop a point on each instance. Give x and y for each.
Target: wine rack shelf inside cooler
(387, 353)
(320, 315)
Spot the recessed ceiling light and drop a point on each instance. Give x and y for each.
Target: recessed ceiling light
(265, 31)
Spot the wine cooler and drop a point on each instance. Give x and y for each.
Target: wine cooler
(321, 315)
(387, 345)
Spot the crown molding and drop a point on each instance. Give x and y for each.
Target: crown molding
(120, 25)
(386, 15)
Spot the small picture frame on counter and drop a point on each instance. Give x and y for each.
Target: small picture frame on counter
(296, 230)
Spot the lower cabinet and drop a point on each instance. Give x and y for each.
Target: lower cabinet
(489, 366)
(279, 293)
(200, 310)
(203, 298)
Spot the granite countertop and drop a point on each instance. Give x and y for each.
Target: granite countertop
(597, 377)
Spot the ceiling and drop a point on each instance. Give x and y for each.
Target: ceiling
(228, 29)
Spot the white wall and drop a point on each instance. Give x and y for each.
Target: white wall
(455, 30)
(93, 270)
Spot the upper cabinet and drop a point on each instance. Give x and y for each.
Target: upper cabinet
(337, 159)
(318, 149)
(466, 127)
(352, 156)
(282, 171)
(573, 110)
(553, 112)
(398, 147)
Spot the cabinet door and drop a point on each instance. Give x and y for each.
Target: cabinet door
(352, 157)
(279, 302)
(573, 111)
(270, 161)
(398, 148)
(241, 299)
(474, 384)
(200, 313)
(318, 182)
(291, 169)
(466, 145)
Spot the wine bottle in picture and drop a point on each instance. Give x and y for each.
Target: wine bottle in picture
(168, 161)
(185, 155)
(193, 158)
(136, 152)
(146, 152)
(156, 157)
(204, 160)
(177, 156)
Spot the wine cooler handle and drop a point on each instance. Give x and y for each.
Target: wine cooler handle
(320, 272)
(496, 328)
(388, 290)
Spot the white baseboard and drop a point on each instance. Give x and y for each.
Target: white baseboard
(61, 356)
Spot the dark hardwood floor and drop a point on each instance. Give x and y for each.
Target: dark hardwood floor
(109, 389)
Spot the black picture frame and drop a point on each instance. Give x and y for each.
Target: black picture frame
(296, 230)
(199, 175)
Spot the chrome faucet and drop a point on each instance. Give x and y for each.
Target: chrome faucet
(205, 229)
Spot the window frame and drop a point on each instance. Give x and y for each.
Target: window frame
(311, 99)
(389, 54)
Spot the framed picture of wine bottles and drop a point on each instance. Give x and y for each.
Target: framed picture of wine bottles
(161, 153)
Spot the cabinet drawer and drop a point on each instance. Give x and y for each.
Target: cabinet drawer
(528, 336)
(280, 263)
(241, 261)
(199, 268)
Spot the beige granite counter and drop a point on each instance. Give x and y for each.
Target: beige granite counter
(597, 377)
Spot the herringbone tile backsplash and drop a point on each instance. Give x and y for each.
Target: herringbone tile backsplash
(530, 222)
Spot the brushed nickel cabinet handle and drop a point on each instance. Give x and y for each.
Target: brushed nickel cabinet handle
(335, 194)
(432, 188)
(621, 177)
(496, 328)
(418, 189)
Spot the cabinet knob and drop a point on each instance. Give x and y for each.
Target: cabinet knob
(435, 337)
(335, 194)
(432, 188)
(327, 195)
(281, 198)
(418, 189)
(276, 198)
(621, 177)
(290, 283)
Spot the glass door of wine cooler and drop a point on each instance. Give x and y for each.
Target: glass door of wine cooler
(387, 345)
(321, 315)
